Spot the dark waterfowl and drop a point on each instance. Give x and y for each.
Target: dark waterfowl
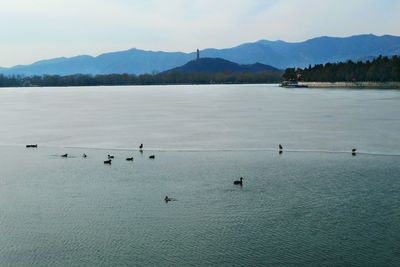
(168, 199)
(110, 157)
(141, 147)
(107, 161)
(152, 157)
(129, 159)
(31, 146)
(84, 155)
(354, 151)
(280, 147)
(64, 156)
(239, 182)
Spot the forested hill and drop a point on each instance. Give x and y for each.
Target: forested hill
(381, 69)
(215, 65)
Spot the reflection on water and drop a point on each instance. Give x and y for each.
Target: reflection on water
(202, 117)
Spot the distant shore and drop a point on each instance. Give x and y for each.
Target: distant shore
(367, 85)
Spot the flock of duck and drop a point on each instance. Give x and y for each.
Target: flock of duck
(167, 199)
(109, 157)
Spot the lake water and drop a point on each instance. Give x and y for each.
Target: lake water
(315, 204)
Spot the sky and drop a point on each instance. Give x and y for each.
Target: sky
(32, 30)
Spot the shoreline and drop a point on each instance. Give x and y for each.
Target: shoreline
(313, 85)
(351, 85)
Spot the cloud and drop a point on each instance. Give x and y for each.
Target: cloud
(37, 29)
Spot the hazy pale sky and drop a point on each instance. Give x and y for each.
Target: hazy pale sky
(31, 30)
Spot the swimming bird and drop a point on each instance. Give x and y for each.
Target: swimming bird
(141, 146)
(354, 151)
(280, 147)
(239, 182)
(64, 156)
(84, 155)
(110, 157)
(107, 161)
(167, 199)
(152, 157)
(129, 159)
(31, 146)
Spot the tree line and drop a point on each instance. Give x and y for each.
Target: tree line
(381, 69)
(144, 79)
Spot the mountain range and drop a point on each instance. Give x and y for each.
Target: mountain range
(279, 54)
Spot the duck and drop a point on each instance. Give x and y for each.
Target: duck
(141, 147)
(129, 159)
(110, 157)
(31, 146)
(167, 199)
(239, 182)
(64, 156)
(84, 155)
(280, 147)
(107, 161)
(152, 157)
(354, 151)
